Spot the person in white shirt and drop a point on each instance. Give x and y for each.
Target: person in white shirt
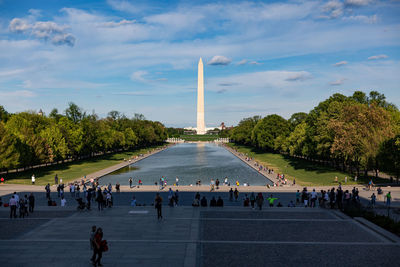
(33, 179)
(63, 202)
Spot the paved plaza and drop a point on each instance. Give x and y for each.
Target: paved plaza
(229, 236)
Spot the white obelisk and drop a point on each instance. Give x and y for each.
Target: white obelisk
(201, 128)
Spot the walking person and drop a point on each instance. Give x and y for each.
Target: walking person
(47, 188)
(231, 195)
(260, 201)
(130, 182)
(56, 179)
(33, 179)
(158, 205)
(22, 208)
(252, 200)
(97, 247)
(13, 207)
(31, 200)
(91, 239)
(236, 194)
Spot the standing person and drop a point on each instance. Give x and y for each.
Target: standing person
(31, 203)
(252, 200)
(26, 201)
(373, 200)
(314, 197)
(226, 181)
(345, 180)
(212, 185)
(158, 205)
(177, 181)
(260, 200)
(22, 208)
(388, 199)
(47, 188)
(176, 197)
(231, 195)
(33, 179)
(99, 199)
(271, 200)
(92, 234)
(217, 183)
(236, 194)
(117, 187)
(56, 179)
(130, 182)
(97, 247)
(13, 207)
(298, 197)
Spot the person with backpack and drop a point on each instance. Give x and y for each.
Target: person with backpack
(99, 247)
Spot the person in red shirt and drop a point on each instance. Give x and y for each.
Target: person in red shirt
(97, 247)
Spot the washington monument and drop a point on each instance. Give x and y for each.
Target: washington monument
(201, 127)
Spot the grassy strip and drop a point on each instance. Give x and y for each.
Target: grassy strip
(306, 172)
(72, 171)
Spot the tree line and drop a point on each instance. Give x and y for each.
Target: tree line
(357, 133)
(30, 138)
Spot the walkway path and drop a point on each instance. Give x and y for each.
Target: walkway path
(228, 236)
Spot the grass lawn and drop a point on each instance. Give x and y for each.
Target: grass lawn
(71, 171)
(305, 172)
(194, 137)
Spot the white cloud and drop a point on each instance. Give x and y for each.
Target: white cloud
(298, 76)
(139, 76)
(61, 39)
(124, 6)
(357, 2)
(365, 19)
(255, 63)
(340, 63)
(337, 82)
(16, 94)
(378, 57)
(242, 62)
(119, 23)
(333, 9)
(8, 73)
(43, 30)
(219, 60)
(19, 25)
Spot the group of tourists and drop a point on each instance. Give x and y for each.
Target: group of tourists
(203, 202)
(25, 205)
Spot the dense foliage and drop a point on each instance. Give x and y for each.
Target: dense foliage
(28, 138)
(355, 133)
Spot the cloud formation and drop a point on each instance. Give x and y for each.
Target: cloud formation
(43, 30)
(242, 62)
(139, 76)
(378, 57)
(298, 76)
(357, 3)
(337, 82)
(340, 63)
(219, 60)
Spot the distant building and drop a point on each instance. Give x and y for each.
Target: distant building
(40, 113)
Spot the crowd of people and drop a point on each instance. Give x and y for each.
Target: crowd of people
(24, 205)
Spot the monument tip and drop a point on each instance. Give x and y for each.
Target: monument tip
(200, 60)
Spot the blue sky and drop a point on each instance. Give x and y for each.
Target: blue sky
(261, 57)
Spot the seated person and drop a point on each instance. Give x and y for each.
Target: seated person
(195, 202)
(279, 204)
(380, 192)
(291, 204)
(203, 202)
(213, 202)
(220, 202)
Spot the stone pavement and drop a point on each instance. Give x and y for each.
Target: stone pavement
(187, 236)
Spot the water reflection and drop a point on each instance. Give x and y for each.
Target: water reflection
(190, 162)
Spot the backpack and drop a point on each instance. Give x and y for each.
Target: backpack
(104, 245)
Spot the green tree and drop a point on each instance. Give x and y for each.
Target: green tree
(267, 130)
(242, 133)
